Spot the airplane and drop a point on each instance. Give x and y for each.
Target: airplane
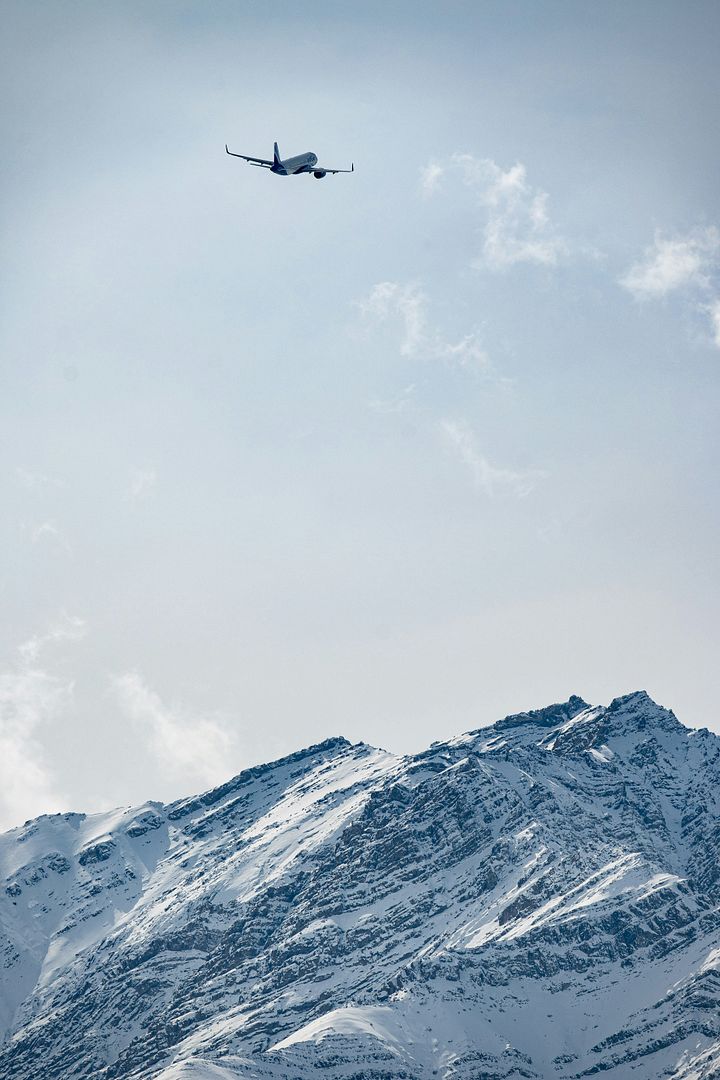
(303, 163)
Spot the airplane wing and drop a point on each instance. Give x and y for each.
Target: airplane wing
(252, 160)
(321, 168)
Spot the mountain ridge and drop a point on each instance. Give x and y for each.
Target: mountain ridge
(537, 898)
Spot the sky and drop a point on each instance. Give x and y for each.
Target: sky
(387, 455)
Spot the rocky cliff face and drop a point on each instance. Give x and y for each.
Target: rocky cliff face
(536, 899)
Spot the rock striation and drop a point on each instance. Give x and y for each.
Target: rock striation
(536, 899)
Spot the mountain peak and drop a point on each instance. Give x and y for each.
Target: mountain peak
(296, 761)
(638, 710)
(635, 699)
(633, 718)
(550, 716)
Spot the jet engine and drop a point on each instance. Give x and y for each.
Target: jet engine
(319, 173)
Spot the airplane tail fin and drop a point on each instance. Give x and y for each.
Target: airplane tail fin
(276, 155)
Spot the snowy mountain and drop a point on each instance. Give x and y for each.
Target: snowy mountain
(536, 899)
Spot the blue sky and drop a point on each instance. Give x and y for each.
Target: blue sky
(387, 455)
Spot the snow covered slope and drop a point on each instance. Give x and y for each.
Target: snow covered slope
(536, 899)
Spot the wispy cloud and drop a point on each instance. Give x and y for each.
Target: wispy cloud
(397, 404)
(517, 227)
(45, 533)
(689, 265)
(142, 484)
(47, 530)
(468, 353)
(67, 628)
(389, 299)
(430, 177)
(189, 749)
(490, 479)
(31, 697)
(671, 263)
(714, 313)
(408, 303)
(35, 481)
(28, 699)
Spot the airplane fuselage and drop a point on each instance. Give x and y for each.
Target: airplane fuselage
(303, 163)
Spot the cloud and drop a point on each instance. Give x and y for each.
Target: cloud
(394, 405)
(142, 484)
(389, 299)
(47, 529)
(408, 303)
(687, 264)
(517, 226)
(34, 481)
(671, 263)
(68, 628)
(430, 177)
(188, 749)
(30, 699)
(467, 353)
(714, 313)
(47, 532)
(488, 478)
